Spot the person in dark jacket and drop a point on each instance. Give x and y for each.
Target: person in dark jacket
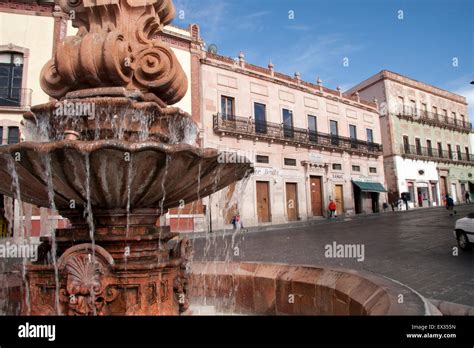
(450, 205)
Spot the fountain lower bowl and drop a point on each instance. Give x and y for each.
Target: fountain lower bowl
(280, 289)
(115, 174)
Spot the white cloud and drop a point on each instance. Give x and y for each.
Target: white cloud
(468, 92)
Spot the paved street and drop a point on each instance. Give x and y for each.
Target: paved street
(415, 248)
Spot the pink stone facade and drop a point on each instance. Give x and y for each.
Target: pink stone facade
(294, 162)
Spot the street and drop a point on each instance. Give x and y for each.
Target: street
(414, 247)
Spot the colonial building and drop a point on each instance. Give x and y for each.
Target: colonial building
(309, 144)
(29, 31)
(425, 137)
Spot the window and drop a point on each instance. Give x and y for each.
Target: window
(418, 146)
(356, 168)
(313, 128)
(334, 132)
(428, 145)
(466, 150)
(401, 105)
(445, 113)
(260, 112)
(336, 166)
(287, 123)
(227, 107)
(406, 144)
(262, 159)
(373, 170)
(413, 107)
(435, 110)
(458, 150)
(440, 150)
(1, 135)
(290, 162)
(424, 109)
(11, 73)
(353, 135)
(370, 135)
(450, 152)
(13, 135)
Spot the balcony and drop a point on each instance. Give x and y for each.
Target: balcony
(274, 132)
(431, 154)
(15, 98)
(433, 119)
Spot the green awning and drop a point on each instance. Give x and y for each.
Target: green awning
(369, 186)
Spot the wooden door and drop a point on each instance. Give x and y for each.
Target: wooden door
(442, 188)
(292, 201)
(316, 196)
(263, 201)
(339, 199)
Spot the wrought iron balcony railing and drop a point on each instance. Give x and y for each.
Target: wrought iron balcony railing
(435, 154)
(15, 97)
(286, 134)
(434, 119)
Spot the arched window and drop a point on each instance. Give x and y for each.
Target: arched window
(11, 75)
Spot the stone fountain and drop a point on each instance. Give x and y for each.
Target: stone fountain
(112, 156)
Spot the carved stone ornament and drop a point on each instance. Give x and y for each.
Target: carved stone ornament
(116, 46)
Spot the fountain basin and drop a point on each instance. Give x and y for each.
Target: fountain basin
(280, 289)
(147, 177)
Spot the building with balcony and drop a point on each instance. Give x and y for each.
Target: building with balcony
(309, 144)
(28, 33)
(425, 137)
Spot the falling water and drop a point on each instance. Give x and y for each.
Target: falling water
(127, 232)
(90, 222)
(49, 180)
(17, 193)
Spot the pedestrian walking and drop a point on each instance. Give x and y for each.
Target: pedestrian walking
(332, 209)
(450, 205)
(467, 195)
(237, 222)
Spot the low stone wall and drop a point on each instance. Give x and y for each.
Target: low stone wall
(278, 289)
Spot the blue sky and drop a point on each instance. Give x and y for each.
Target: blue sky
(423, 45)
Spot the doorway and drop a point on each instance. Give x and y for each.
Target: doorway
(443, 188)
(339, 199)
(292, 201)
(263, 201)
(316, 196)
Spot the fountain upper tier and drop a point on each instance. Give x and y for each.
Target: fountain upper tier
(116, 46)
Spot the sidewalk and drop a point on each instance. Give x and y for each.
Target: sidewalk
(307, 223)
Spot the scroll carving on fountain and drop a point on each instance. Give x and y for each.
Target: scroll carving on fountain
(123, 165)
(116, 47)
